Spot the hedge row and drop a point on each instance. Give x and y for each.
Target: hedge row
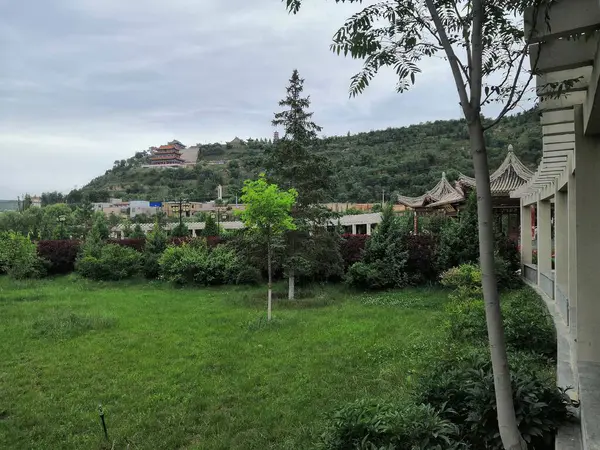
(61, 255)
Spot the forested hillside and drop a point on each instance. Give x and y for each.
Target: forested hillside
(407, 160)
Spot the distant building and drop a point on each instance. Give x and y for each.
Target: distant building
(167, 154)
(138, 207)
(36, 202)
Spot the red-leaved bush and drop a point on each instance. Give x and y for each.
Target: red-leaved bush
(421, 263)
(136, 244)
(352, 248)
(60, 255)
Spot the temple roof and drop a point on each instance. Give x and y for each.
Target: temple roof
(511, 174)
(443, 192)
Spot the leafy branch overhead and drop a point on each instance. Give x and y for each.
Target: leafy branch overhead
(401, 34)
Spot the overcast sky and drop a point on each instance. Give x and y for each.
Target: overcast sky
(86, 82)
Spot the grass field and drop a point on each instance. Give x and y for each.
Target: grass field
(198, 369)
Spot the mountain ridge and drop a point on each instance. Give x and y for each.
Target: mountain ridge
(407, 160)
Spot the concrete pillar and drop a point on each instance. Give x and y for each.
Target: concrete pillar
(526, 247)
(353, 228)
(561, 255)
(544, 239)
(369, 229)
(194, 232)
(572, 248)
(587, 159)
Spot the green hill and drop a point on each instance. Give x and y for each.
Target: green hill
(9, 205)
(407, 160)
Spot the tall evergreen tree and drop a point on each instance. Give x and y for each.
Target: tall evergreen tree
(294, 161)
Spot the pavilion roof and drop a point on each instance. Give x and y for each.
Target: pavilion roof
(443, 192)
(511, 175)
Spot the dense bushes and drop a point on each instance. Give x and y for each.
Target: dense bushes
(196, 264)
(114, 262)
(385, 256)
(463, 392)
(59, 255)
(527, 323)
(18, 256)
(352, 248)
(380, 426)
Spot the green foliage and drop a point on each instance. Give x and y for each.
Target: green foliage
(137, 232)
(267, 207)
(366, 425)
(459, 240)
(180, 230)
(527, 324)
(156, 243)
(464, 280)
(326, 262)
(463, 392)
(196, 264)
(18, 256)
(385, 258)
(115, 262)
(407, 160)
(211, 228)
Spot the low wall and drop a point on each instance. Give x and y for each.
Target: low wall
(547, 284)
(562, 303)
(530, 273)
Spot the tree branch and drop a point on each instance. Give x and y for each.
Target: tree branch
(452, 59)
(477, 55)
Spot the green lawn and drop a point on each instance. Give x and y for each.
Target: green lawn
(198, 369)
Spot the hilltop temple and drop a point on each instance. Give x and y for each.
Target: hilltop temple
(167, 154)
(512, 174)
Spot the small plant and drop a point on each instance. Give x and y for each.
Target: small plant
(464, 280)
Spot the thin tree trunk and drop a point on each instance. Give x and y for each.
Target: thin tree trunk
(270, 285)
(291, 284)
(507, 422)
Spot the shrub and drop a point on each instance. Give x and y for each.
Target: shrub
(180, 230)
(385, 257)
(196, 264)
(464, 280)
(371, 426)
(211, 227)
(420, 265)
(115, 262)
(249, 276)
(137, 244)
(324, 256)
(527, 324)
(352, 248)
(60, 255)
(18, 256)
(464, 393)
(155, 245)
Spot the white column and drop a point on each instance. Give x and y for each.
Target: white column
(526, 247)
(369, 229)
(353, 228)
(544, 238)
(572, 247)
(587, 155)
(561, 255)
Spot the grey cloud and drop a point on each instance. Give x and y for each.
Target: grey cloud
(87, 82)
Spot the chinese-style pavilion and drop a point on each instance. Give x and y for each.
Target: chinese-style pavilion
(167, 154)
(511, 175)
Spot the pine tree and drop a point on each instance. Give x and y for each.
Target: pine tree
(293, 162)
